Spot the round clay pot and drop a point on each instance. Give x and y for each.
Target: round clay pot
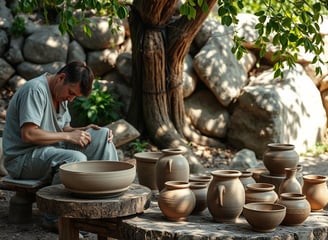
(315, 190)
(260, 192)
(246, 178)
(146, 168)
(297, 208)
(176, 200)
(264, 217)
(279, 156)
(290, 183)
(200, 191)
(256, 172)
(225, 195)
(172, 166)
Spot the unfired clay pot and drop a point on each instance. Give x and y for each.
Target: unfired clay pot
(297, 208)
(176, 200)
(260, 192)
(146, 168)
(200, 191)
(290, 183)
(172, 166)
(225, 195)
(279, 156)
(315, 190)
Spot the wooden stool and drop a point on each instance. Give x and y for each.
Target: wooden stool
(99, 215)
(20, 205)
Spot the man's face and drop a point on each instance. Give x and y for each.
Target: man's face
(63, 92)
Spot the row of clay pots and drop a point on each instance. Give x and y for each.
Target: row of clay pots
(229, 190)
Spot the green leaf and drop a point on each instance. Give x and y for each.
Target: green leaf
(226, 20)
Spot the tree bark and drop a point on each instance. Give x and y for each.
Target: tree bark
(160, 42)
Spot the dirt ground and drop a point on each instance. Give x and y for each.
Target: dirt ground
(34, 230)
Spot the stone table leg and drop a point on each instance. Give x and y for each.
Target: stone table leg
(67, 229)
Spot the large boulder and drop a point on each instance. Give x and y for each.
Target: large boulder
(270, 110)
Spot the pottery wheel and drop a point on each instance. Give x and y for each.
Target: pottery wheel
(59, 201)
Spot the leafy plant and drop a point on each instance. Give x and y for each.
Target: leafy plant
(139, 146)
(101, 107)
(18, 27)
(319, 148)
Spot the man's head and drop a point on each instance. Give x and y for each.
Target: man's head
(78, 72)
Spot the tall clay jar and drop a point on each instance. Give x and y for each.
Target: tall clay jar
(279, 156)
(315, 190)
(225, 195)
(290, 184)
(176, 200)
(297, 208)
(172, 166)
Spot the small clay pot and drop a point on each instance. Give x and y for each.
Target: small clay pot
(246, 178)
(290, 183)
(260, 192)
(176, 200)
(315, 190)
(200, 191)
(297, 208)
(279, 156)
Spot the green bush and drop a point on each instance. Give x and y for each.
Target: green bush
(101, 107)
(18, 27)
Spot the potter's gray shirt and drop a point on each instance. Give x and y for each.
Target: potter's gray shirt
(31, 103)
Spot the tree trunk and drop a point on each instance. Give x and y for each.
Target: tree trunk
(160, 42)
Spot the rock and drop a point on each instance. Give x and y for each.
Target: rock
(103, 35)
(206, 114)
(243, 160)
(219, 69)
(286, 111)
(6, 71)
(123, 132)
(102, 61)
(46, 45)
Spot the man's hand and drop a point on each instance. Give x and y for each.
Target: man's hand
(81, 138)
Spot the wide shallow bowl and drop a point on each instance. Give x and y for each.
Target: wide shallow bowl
(97, 178)
(264, 217)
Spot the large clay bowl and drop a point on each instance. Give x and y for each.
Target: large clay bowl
(97, 178)
(264, 217)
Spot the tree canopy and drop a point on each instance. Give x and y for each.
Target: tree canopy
(287, 24)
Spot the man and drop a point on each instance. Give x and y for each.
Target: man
(37, 136)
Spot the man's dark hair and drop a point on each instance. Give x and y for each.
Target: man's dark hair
(79, 72)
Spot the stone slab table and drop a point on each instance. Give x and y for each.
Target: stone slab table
(153, 225)
(98, 215)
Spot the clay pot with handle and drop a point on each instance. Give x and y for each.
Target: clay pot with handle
(225, 195)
